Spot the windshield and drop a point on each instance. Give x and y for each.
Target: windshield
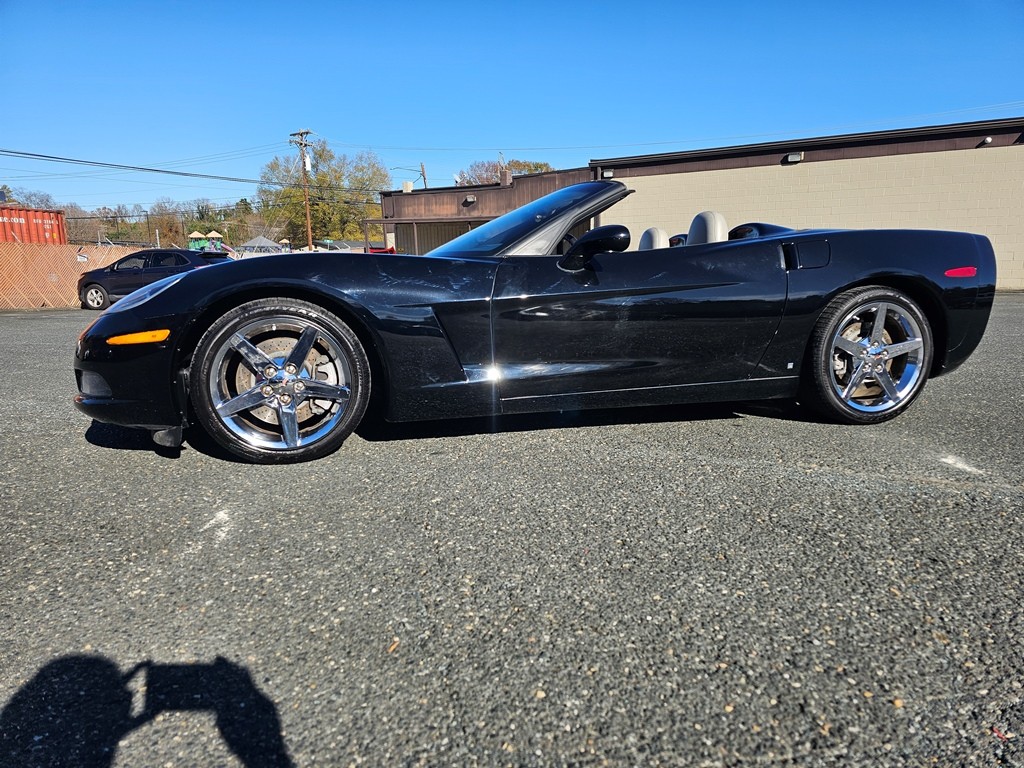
(499, 234)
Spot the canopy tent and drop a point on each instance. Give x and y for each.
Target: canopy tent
(259, 244)
(211, 241)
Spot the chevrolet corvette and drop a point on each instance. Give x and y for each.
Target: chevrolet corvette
(278, 358)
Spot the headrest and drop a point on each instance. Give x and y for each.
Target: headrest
(653, 238)
(707, 227)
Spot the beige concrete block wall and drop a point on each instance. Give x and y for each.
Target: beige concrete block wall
(979, 191)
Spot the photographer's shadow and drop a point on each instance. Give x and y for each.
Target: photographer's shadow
(77, 709)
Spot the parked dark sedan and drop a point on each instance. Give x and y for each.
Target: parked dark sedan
(275, 358)
(99, 288)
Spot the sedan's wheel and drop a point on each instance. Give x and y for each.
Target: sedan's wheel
(279, 380)
(96, 297)
(870, 356)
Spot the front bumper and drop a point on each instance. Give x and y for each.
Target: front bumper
(134, 385)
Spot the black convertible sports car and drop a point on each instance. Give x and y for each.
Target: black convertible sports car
(277, 358)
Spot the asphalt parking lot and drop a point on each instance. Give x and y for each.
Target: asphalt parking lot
(732, 585)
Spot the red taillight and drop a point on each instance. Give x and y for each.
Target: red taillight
(962, 272)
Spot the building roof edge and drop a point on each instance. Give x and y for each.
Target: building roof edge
(849, 139)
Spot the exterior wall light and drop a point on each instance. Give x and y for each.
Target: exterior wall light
(793, 158)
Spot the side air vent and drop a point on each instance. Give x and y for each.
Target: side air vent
(789, 256)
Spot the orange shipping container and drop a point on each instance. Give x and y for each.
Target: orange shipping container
(27, 225)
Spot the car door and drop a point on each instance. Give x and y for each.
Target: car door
(638, 321)
(128, 274)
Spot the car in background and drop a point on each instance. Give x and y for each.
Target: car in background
(99, 288)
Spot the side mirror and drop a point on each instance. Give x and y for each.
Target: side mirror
(611, 238)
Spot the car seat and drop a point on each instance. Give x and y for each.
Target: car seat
(653, 238)
(707, 227)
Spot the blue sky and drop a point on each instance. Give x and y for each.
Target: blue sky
(216, 87)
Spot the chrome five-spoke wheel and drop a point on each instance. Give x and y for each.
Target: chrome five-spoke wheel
(277, 380)
(871, 351)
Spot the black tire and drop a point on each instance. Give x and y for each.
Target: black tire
(860, 373)
(279, 380)
(95, 297)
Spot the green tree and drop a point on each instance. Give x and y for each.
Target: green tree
(122, 224)
(343, 191)
(488, 171)
(204, 215)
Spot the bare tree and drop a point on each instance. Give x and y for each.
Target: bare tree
(489, 171)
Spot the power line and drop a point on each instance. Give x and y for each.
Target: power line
(852, 126)
(120, 167)
(236, 154)
(256, 206)
(187, 174)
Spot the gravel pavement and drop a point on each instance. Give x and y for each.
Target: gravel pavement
(704, 586)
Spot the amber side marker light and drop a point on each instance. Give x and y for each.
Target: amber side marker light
(142, 337)
(962, 272)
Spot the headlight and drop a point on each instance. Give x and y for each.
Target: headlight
(143, 295)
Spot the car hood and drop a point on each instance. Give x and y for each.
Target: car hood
(372, 280)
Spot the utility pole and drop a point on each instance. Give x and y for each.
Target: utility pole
(301, 143)
(423, 173)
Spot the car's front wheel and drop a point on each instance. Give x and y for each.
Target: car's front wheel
(279, 380)
(95, 298)
(870, 354)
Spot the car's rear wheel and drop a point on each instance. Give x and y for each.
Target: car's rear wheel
(279, 380)
(95, 298)
(870, 354)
